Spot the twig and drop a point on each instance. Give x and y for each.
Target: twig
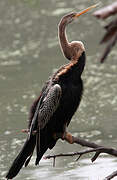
(103, 149)
(80, 153)
(109, 47)
(111, 176)
(110, 36)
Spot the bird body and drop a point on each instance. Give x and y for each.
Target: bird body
(71, 87)
(59, 99)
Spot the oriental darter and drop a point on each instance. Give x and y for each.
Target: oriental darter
(59, 99)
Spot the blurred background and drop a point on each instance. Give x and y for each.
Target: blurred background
(29, 54)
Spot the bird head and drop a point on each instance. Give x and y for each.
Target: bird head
(74, 49)
(72, 16)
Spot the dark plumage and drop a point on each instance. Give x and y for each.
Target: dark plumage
(51, 113)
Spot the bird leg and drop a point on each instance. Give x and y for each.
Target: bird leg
(64, 136)
(68, 137)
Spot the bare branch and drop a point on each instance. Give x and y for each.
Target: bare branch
(103, 149)
(80, 153)
(109, 47)
(98, 149)
(110, 36)
(107, 11)
(111, 176)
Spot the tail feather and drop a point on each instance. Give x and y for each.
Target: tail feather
(28, 160)
(25, 153)
(42, 144)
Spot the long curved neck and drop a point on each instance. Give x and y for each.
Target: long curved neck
(65, 46)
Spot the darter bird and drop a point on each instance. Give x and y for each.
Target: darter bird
(59, 99)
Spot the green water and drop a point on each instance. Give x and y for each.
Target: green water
(29, 54)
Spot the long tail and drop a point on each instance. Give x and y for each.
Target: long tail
(23, 157)
(26, 153)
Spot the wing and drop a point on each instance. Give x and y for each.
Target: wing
(46, 110)
(49, 105)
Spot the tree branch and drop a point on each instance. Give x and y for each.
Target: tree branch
(98, 149)
(85, 143)
(111, 176)
(80, 153)
(107, 11)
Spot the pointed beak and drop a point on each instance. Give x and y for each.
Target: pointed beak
(85, 10)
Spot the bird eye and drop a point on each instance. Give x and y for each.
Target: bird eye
(72, 15)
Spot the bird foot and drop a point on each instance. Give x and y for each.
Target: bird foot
(68, 137)
(64, 136)
(27, 131)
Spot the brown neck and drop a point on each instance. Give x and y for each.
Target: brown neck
(65, 46)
